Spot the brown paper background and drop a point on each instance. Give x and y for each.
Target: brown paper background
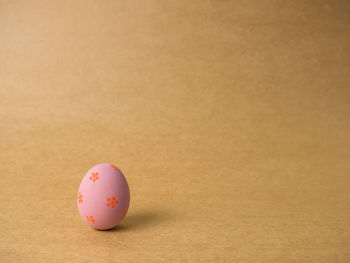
(229, 119)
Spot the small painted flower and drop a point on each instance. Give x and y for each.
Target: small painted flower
(90, 219)
(80, 198)
(94, 176)
(112, 202)
(115, 167)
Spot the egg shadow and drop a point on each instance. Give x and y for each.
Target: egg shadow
(141, 220)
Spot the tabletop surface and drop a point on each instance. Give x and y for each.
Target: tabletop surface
(229, 119)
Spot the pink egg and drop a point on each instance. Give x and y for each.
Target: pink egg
(103, 196)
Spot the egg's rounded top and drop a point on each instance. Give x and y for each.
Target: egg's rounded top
(103, 196)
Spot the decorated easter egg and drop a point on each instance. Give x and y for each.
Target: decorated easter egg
(103, 197)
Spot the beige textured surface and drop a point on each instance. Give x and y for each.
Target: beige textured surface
(230, 120)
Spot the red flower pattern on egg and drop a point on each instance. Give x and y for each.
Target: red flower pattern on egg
(80, 198)
(90, 219)
(94, 176)
(112, 202)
